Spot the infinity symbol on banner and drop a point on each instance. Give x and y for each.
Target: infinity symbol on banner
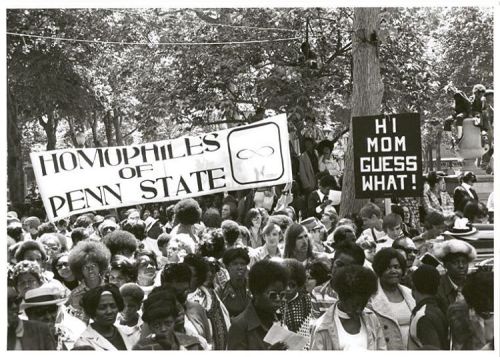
(264, 151)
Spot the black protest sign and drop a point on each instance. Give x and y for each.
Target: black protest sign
(387, 156)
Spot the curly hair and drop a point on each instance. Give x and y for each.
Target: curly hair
(187, 211)
(296, 270)
(120, 241)
(369, 210)
(90, 300)
(230, 231)
(88, 251)
(132, 290)
(125, 266)
(382, 260)
(83, 221)
(78, 234)
(264, 273)
(26, 267)
(179, 272)
(478, 291)
(212, 244)
(137, 229)
(354, 280)
(351, 249)
(200, 265)
(234, 253)
(47, 227)
(211, 218)
(161, 302)
(28, 245)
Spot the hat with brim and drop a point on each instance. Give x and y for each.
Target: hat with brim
(461, 227)
(454, 246)
(311, 223)
(42, 296)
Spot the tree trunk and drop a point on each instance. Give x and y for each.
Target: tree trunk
(93, 125)
(118, 131)
(430, 162)
(438, 151)
(108, 127)
(50, 130)
(367, 93)
(72, 133)
(15, 172)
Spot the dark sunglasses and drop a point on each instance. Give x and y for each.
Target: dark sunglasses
(42, 310)
(275, 296)
(62, 265)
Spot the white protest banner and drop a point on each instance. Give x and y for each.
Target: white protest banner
(387, 156)
(74, 181)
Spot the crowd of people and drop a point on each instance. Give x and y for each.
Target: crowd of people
(218, 272)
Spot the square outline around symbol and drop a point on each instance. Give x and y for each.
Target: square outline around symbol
(280, 151)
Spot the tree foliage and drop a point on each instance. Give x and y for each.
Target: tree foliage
(120, 93)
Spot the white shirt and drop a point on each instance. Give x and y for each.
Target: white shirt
(347, 341)
(490, 204)
(467, 188)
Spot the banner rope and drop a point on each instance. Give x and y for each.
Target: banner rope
(153, 43)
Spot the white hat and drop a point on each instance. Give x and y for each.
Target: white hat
(42, 296)
(454, 246)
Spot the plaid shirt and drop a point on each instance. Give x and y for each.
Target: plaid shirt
(442, 204)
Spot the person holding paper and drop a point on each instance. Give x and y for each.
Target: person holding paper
(267, 281)
(347, 324)
(319, 199)
(297, 306)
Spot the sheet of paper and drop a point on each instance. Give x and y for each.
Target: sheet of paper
(278, 333)
(334, 196)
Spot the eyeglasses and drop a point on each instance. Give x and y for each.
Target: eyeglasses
(275, 296)
(42, 310)
(108, 229)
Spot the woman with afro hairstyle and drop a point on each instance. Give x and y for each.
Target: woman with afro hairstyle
(187, 214)
(121, 243)
(348, 324)
(89, 262)
(393, 303)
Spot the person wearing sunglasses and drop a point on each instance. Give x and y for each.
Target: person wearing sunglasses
(267, 281)
(347, 324)
(296, 307)
(62, 271)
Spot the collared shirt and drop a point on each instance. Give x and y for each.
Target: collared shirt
(235, 300)
(262, 253)
(455, 287)
(322, 297)
(321, 198)
(247, 331)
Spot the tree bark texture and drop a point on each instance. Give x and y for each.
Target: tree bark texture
(118, 131)
(15, 173)
(108, 126)
(367, 92)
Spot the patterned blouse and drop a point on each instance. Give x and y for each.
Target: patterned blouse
(296, 311)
